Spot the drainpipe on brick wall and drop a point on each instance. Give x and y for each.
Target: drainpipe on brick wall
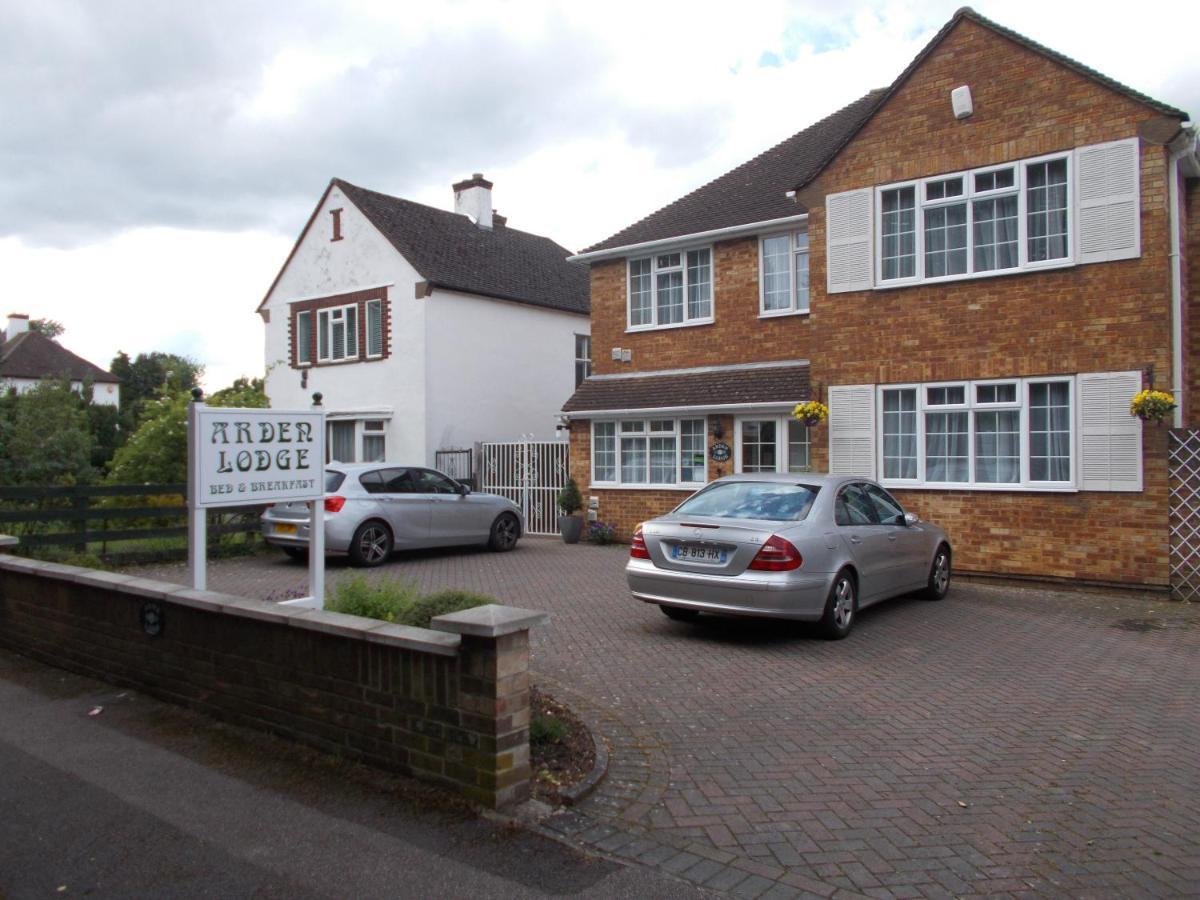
(1185, 161)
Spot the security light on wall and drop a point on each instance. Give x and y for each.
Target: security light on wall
(960, 100)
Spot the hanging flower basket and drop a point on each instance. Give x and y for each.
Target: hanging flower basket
(1151, 406)
(811, 412)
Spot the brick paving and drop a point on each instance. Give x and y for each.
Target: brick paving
(1008, 741)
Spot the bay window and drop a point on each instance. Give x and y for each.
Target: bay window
(649, 452)
(670, 289)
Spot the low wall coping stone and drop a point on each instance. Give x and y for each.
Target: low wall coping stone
(490, 621)
(423, 639)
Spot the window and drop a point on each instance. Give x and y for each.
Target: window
(784, 275)
(989, 220)
(986, 433)
(341, 442)
(373, 438)
(649, 452)
(337, 333)
(583, 358)
(374, 328)
(670, 289)
(343, 436)
(304, 338)
(776, 444)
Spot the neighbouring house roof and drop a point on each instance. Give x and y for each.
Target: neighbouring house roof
(716, 386)
(31, 355)
(451, 252)
(967, 13)
(754, 191)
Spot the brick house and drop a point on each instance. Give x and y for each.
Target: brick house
(976, 268)
(424, 328)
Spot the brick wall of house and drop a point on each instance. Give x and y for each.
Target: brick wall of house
(1092, 318)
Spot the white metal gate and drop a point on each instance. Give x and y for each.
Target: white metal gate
(530, 473)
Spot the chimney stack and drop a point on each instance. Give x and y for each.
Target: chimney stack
(473, 198)
(18, 323)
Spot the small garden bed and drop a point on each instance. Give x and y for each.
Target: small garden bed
(560, 745)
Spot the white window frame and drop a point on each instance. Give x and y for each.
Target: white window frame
(308, 360)
(968, 197)
(583, 362)
(687, 322)
(647, 433)
(972, 406)
(378, 303)
(799, 305)
(326, 315)
(373, 428)
(782, 444)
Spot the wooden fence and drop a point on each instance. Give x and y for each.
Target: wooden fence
(90, 518)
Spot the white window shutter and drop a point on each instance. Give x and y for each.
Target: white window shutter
(1110, 439)
(1107, 179)
(848, 230)
(852, 430)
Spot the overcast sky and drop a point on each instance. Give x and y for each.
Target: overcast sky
(159, 159)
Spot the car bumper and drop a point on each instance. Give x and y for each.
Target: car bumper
(334, 542)
(781, 595)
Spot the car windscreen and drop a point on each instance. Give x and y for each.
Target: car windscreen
(752, 500)
(333, 480)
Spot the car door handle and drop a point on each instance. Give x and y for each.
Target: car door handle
(855, 539)
(891, 537)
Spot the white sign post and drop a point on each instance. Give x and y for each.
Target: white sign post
(239, 457)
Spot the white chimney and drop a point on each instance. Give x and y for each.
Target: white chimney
(473, 198)
(18, 323)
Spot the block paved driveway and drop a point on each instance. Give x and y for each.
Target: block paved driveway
(1007, 741)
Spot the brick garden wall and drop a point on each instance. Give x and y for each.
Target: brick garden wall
(1092, 318)
(446, 708)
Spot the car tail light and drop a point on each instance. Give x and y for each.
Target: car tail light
(777, 555)
(637, 547)
(334, 504)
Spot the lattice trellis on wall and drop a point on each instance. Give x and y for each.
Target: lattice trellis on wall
(1185, 513)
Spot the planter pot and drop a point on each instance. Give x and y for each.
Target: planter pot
(812, 421)
(570, 527)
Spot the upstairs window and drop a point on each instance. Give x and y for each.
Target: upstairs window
(583, 358)
(1016, 216)
(337, 333)
(784, 273)
(670, 289)
(304, 338)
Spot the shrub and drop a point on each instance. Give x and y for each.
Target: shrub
(601, 533)
(440, 603)
(386, 599)
(547, 730)
(570, 501)
(398, 601)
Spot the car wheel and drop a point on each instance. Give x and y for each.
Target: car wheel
(939, 575)
(678, 614)
(371, 544)
(296, 552)
(505, 531)
(841, 607)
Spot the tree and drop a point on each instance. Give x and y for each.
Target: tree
(148, 377)
(48, 439)
(157, 452)
(47, 328)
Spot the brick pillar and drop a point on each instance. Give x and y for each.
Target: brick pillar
(492, 760)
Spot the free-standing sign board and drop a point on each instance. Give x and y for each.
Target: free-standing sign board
(241, 457)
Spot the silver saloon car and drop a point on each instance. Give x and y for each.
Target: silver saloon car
(372, 509)
(811, 547)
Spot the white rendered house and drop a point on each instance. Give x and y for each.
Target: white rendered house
(424, 329)
(27, 358)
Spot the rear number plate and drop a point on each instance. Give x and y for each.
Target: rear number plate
(697, 553)
(284, 528)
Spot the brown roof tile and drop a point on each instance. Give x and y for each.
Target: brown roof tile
(786, 383)
(31, 355)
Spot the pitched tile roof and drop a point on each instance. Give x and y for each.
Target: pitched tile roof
(706, 388)
(31, 355)
(754, 191)
(451, 252)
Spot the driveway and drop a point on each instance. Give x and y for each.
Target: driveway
(1006, 741)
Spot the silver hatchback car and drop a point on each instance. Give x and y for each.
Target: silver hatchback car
(809, 547)
(372, 509)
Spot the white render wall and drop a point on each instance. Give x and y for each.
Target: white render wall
(496, 370)
(322, 267)
(103, 393)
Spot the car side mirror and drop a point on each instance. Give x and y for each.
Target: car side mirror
(464, 489)
(911, 518)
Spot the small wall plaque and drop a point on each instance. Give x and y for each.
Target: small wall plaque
(719, 451)
(152, 618)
